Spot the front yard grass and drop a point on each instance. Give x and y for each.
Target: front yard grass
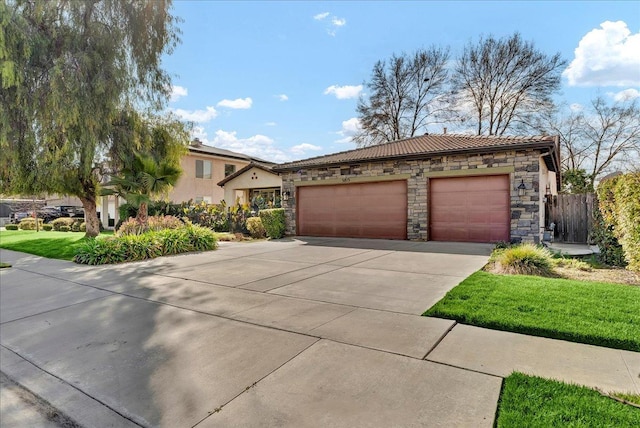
(579, 311)
(528, 401)
(53, 245)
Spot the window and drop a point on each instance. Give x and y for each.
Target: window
(229, 169)
(205, 199)
(203, 168)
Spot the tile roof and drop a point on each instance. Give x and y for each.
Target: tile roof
(210, 150)
(423, 146)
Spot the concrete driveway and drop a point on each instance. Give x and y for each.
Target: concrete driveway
(297, 332)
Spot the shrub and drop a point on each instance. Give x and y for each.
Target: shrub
(524, 259)
(213, 216)
(83, 227)
(47, 227)
(75, 226)
(11, 226)
(627, 203)
(238, 215)
(573, 264)
(64, 229)
(274, 222)
(255, 227)
(132, 227)
(62, 221)
(100, 251)
(611, 252)
(30, 223)
(125, 248)
(619, 209)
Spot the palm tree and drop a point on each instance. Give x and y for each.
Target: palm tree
(141, 180)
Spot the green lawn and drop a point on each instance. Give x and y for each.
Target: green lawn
(579, 311)
(528, 401)
(54, 245)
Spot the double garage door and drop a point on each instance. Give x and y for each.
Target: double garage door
(362, 210)
(464, 209)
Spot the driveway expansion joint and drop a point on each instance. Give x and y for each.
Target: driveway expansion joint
(61, 307)
(32, 363)
(435, 345)
(254, 384)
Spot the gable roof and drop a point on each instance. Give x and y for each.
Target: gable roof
(198, 147)
(424, 146)
(262, 166)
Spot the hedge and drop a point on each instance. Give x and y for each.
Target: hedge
(47, 227)
(255, 227)
(619, 203)
(127, 248)
(11, 227)
(30, 224)
(273, 221)
(62, 221)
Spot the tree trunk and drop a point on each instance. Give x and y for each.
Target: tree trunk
(90, 217)
(143, 216)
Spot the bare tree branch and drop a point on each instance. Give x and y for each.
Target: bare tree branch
(406, 94)
(505, 83)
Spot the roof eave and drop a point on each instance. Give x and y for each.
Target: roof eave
(243, 170)
(423, 155)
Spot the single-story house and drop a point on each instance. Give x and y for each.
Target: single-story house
(431, 187)
(255, 180)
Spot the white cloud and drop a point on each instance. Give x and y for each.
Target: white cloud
(238, 103)
(283, 97)
(343, 92)
(258, 145)
(626, 95)
(300, 149)
(178, 92)
(333, 24)
(198, 116)
(575, 107)
(606, 56)
(338, 22)
(350, 128)
(271, 124)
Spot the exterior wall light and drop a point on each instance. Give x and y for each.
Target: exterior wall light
(285, 195)
(522, 188)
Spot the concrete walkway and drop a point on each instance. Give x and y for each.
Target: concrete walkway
(313, 332)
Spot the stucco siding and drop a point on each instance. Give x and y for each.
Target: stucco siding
(190, 187)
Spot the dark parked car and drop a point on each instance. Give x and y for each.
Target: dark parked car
(17, 216)
(71, 211)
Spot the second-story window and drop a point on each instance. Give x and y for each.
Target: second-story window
(229, 169)
(203, 168)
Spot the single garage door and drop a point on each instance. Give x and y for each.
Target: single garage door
(362, 210)
(470, 209)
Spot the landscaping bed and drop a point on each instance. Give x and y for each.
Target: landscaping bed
(579, 311)
(529, 401)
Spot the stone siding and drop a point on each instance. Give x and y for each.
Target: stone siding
(522, 165)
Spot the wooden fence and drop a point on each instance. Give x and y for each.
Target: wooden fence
(573, 216)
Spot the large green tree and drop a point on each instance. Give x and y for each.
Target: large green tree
(69, 72)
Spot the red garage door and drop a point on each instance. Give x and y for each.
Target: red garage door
(470, 209)
(362, 210)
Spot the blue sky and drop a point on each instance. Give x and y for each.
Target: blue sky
(280, 80)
